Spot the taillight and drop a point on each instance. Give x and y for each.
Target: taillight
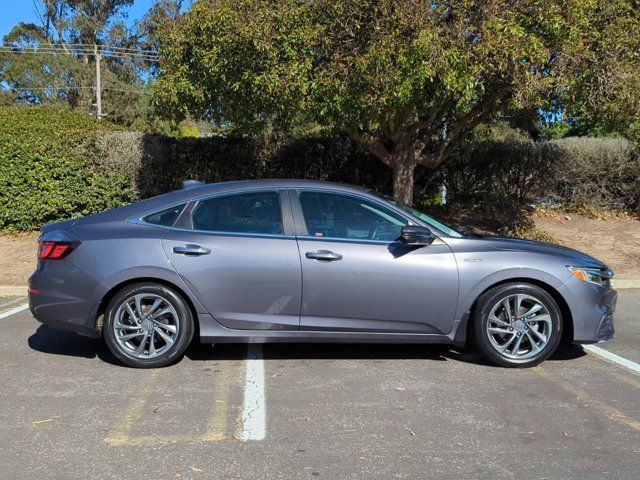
(48, 250)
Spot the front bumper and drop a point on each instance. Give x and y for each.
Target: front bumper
(63, 296)
(592, 309)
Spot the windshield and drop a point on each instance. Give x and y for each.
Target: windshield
(424, 217)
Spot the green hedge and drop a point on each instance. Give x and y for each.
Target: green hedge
(47, 168)
(58, 164)
(156, 164)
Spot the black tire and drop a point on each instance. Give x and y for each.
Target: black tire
(181, 339)
(481, 337)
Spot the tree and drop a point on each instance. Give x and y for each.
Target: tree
(63, 72)
(407, 79)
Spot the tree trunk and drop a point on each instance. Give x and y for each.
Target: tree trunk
(403, 167)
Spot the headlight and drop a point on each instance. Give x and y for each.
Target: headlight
(591, 275)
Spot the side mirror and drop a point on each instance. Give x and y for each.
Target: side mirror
(416, 235)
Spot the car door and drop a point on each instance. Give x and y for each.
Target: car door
(357, 277)
(238, 255)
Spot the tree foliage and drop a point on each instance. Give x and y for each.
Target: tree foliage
(408, 79)
(65, 74)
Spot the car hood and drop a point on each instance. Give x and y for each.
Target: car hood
(573, 257)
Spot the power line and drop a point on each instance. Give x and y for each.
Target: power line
(80, 49)
(69, 87)
(97, 51)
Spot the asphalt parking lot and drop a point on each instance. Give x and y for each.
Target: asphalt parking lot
(68, 411)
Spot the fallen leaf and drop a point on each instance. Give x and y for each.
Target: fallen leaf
(276, 375)
(47, 420)
(413, 434)
(194, 469)
(10, 365)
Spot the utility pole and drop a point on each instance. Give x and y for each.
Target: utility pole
(98, 84)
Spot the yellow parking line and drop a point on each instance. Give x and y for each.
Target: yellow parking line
(611, 412)
(134, 411)
(217, 426)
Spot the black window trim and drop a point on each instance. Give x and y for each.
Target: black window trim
(141, 219)
(285, 213)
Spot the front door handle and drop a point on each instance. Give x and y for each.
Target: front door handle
(325, 255)
(191, 249)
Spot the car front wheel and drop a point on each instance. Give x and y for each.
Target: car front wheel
(517, 325)
(148, 325)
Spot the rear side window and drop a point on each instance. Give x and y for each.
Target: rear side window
(257, 212)
(166, 218)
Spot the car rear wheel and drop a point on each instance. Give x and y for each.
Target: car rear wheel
(148, 325)
(517, 325)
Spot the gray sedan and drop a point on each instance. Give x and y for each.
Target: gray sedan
(303, 261)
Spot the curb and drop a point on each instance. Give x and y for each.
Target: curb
(625, 283)
(13, 290)
(21, 290)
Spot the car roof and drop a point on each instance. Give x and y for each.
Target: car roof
(198, 191)
(274, 183)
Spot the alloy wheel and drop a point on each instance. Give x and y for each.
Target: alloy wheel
(519, 326)
(146, 325)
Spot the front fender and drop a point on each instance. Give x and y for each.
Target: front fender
(470, 290)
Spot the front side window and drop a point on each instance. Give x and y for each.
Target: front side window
(334, 215)
(256, 212)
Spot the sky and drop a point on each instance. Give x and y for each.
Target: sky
(14, 11)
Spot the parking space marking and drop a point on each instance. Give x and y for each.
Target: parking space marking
(133, 413)
(612, 357)
(611, 412)
(216, 427)
(254, 408)
(13, 311)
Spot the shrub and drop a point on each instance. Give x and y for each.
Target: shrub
(155, 164)
(597, 172)
(499, 168)
(47, 168)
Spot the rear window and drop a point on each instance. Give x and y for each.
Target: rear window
(166, 217)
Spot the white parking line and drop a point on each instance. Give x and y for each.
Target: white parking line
(253, 409)
(613, 357)
(14, 310)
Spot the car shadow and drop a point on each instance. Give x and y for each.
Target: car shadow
(361, 351)
(59, 342)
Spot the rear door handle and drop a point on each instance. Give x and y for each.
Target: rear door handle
(325, 255)
(191, 249)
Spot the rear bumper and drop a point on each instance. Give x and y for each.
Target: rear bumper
(63, 296)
